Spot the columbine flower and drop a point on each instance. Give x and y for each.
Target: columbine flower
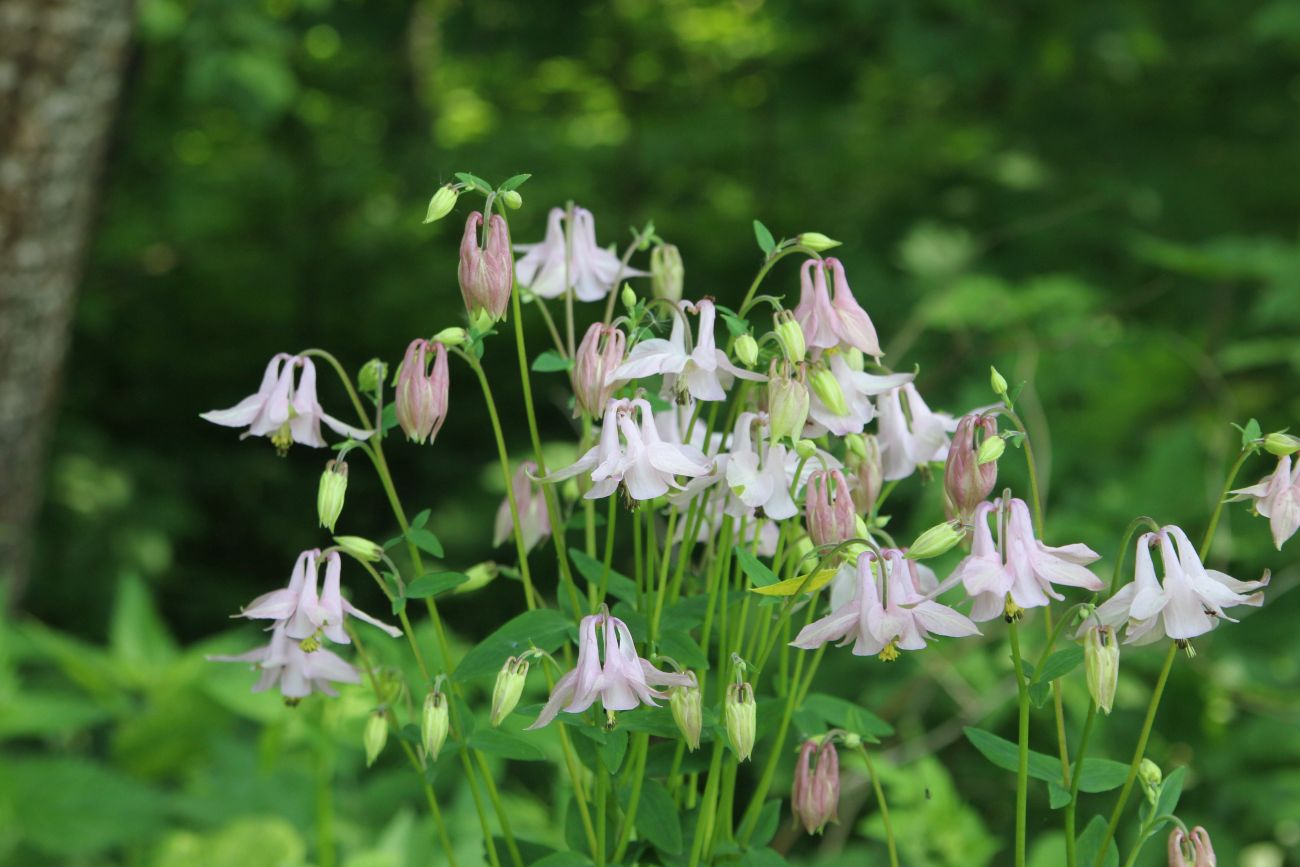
(866, 474)
(486, 270)
(591, 271)
(297, 672)
(600, 352)
(705, 372)
(285, 413)
(533, 520)
(828, 505)
(903, 621)
(828, 322)
(856, 387)
(1191, 848)
(303, 612)
(759, 480)
(1277, 497)
(422, 392)
(905, 447)
(815, 798)
(1029, 569)
(966, 481)
(1189, 601)
(621, 681)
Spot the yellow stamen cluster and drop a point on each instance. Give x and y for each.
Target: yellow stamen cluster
(890, 653)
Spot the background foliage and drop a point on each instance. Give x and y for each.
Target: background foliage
(1100, 198)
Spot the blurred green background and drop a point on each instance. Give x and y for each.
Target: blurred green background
(1100, 198)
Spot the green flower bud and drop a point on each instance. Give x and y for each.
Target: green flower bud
(1101, 664)
(1281, 444)
(816, 241)
(740, 713)
(998, 382)
(329, 496)
(666, 272)
(513, 200)
(787, 406)
(434, 724)
(449, 337)
(480, 575)
(990, 450)
(1151, 776)
(362, 549)
(805, 449)
(856, 444)
(371, 375)
(442, 203)
(747, 350)
(628, 296)
(935, 541)
(855, 359)
(790, 335)
(687, 703)
(508, 688)
(376, 735)
(827, 388)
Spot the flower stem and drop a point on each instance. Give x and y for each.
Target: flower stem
(884, 806)
(1022, 742)
(1070, 856)
(1223, 497)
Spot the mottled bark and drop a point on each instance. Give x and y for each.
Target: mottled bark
(61, 64)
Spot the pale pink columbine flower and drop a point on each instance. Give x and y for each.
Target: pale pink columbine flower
(1026, 570)
(600, 352)
(903, 620)
(1277, 497)
(815, 797)
(534, 523)
(758, 478)
(297, 672)
(591, 271)
(1191, 848)
(828, 507)
(486, 271)
(621, 680)
(829, 322)
(285, 412)
(904, 446)
(1189, 601)
(422, 392)
(306, 613)
(705, 372)
(858, 387)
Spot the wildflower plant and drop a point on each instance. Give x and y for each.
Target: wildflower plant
(742, 460)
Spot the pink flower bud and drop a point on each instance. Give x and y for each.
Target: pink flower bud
(816, 794)
(829, 508)
(868, 474)
(966, 481)
(1191, 848)
(599, 354)
(421, 403)
(487, 271)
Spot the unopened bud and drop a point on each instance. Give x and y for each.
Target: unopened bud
(828, 391)
(816, 241)
(828, 508)
(998, 382)
(790, 335)
(1281, 444)
(628, 296)
(376, 735)
(362, 549)
(867, 471)
(329, 496)
(442, 203)
(1150, 775)
(513, 200)
(787, 407)
(1101, 664)
(508, 688)
(666, 272)
(805, 449)
(740, 713)
(747, 350)
(856, 444)
(372, 373)
(434, 723)
(686, 703)
(450, 337)
(935, 541)
(855, 359)
(480, 575)
(966, 479)
(990, 450)
(815, 797)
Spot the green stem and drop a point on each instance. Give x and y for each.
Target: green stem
(1070, 856)
(1022, 742)
(884, 807)
(1223, 497)
(602, 799)
(641, 750)
(767, 266)
(704, 826)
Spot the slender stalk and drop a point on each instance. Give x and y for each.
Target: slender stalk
(602, 800)
(641, 750)
(503, 816)
(1022, 743)
(1223, 498)
(768, 263)
(704, 826)
(884, 807)
(1070, 855)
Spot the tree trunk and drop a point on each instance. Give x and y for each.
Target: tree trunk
(61, 64)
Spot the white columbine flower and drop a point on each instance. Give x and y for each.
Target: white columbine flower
(1277, 497)
(759, 479)
(297, 672)
(591, 270)
(858, 387)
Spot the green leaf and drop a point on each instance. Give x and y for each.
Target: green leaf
(514, 182)
(1005, 755)
(563, 859)
(545, 628)
(137, 636)
(684, 649)
(434, 583)
(474, 181)
(769, 819)
(1089, 844)
(758, 572)
(613, 750)
(766, 242)
(1250, 433)
(1170, 792)
(551, 361)
(763, 857)
(1057, 794)
(619, 586)
(838, 713)
(1102, 775)
(507, 745)
(426, 541)
(389, 418)
(421, 519)
(657, 819)
(399, 605)
(1057, 665)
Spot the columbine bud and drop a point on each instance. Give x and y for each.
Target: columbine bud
(329, 496)
(966, 481)
(935, 541)
(480, 575)
(508, 688)
(1281, 444)
(855, 359)
(450, 337)
(805, 449)
(686, 703)
(747, 349)
(1101, 663)
(828, 505)
(486, 272)
(740, 713)
(815, 797)
(442, 203)
(421, 402)
(787, 406)
(790, 335)
(828, 391)
(513, 200)
(600, 352)
(1150, 775)
(990, 450)
(434, 723)
(362, 549)
(666, 272)
(376, 735)
(372, 373)
(868, 473)
(1191, 848)
(998, 382)
(816, 241)
(628, 296)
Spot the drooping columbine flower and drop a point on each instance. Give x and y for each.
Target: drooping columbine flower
(852, 414)
(905, 447)
(621, 681)
(758, 479)
(705, 373)
(828, 322)
(1189, 601)
(1028, 570)
(599, 354)
(534, 523)
(283, 411)
(1277, 497)
(828, 507)
(1191, 848)
(422, 392)
(966, 481)
(303, 611)
(486, 270)
(297, 672)
(902, 621)
(815, 797)
(591, 270)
